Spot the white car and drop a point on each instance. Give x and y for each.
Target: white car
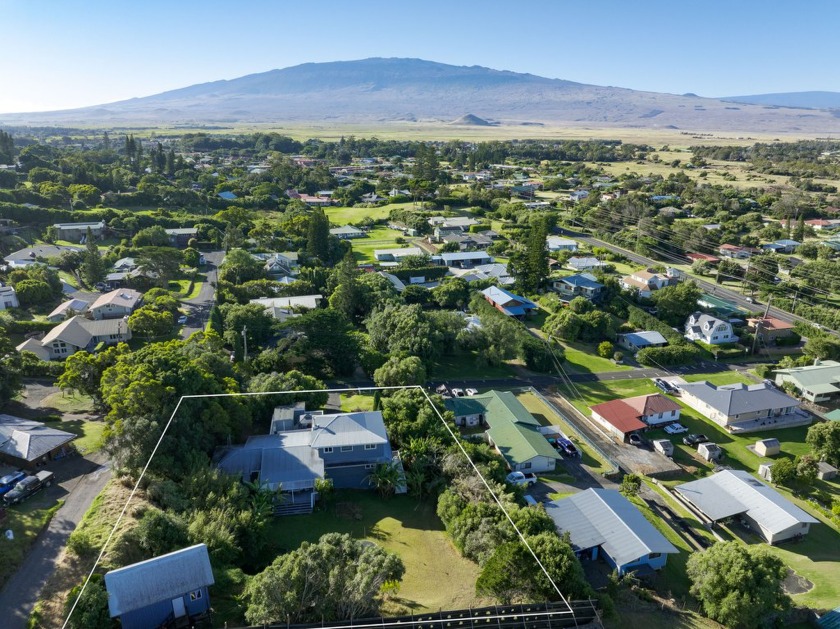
(457, 392)
(675, 429)
(471, 391)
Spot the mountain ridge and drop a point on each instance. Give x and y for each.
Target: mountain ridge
(382, 90)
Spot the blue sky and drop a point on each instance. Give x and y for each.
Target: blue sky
(70, 53)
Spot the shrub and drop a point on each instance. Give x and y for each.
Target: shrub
(671, 355)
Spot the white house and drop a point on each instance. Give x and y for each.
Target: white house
(710, 330)
(646, 282)
(555, 243)
(77, 334)
(8, 298)
(282, 308)
(634, 341)
(116, 304)
(740, 407)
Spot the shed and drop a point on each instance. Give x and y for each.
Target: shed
(710, 451)
(152, 592)
(765, 470)
(826, 471)
(767, 447)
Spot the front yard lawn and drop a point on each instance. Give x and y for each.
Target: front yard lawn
(25, 521)
(582, 358)
(464, 366)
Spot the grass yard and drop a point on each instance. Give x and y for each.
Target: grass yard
(26, 521)
(378, 238)
(463, 365)
(89, 434)
(724, 377)
(581, 358)
(436, 576)
(68, 402)
(604, 391)
(340, 216)
(359, 402)
(548, 417)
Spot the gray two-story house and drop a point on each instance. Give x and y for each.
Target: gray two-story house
(304, 447)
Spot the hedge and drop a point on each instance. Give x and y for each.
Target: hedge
(680, 354)
(25, 327)
(641, 319)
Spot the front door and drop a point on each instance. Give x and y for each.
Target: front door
(178, 607)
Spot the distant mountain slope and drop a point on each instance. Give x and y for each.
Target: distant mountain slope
(811, 100)
(413, 90)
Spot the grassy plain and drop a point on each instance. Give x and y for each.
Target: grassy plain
(581, 358)
(25, 521)
(378, 238)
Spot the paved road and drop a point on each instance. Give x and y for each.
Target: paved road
(21, 591)
(200, 305)
(709, 287)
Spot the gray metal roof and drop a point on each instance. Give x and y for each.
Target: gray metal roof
(29, 440)
(732, 492)
(605, 518)
(158, 579)
(348, 429)
(736, 399)
(645, 338)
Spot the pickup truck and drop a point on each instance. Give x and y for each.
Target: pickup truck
(521, 479)
(28, 486)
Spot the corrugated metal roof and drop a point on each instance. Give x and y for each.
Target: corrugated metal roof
(605, 518)
(159, 579)
(732, 492)
(737, 399)
(29, 440)
(348, 429)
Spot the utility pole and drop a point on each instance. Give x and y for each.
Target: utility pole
(244, 343)
(760, 323)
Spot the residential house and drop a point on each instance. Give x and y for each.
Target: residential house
(602, 523)
(396, 282)
(8, 297)
(279, 265)
(36, 254)
(397, 255)
(822, 224)
(646, 282)
(181, 236)
(77, 334)
(506, 302)
(585, 264)
(77, 232)
(556, 243)
(578, 195)
(305, 446)
(581, 285)
(742, 408)
(496, 271)
(734, 251)
(282, 308)
(709, 329)
(29, 444)
(513, 430)
(703, 257)
(347, 232)
(116, 304)
(622, 417)
(463, 259)
(635, 341)
(467, 241)
(738, 494)
(817, 383)
(69, 308)
(169, 590)
(227, 195)
(769, 329)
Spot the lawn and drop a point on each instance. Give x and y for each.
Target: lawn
(340, 216)
(436, 576)
(378, 238)
(604, 391)
(68, 402)
(464, 366)
(582, 358)
(359, 402)
(89, 434)
(724, 377)
(25, 521)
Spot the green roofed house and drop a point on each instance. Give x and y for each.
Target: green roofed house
(816, 383)
(513, 431)
(834, 415)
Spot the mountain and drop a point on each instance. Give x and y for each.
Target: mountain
(383, 91)
(807, 100)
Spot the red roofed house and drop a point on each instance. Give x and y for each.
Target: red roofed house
(734, 251)
(705, 257)
(770, 329)
(621, 417)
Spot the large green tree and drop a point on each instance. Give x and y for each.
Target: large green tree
(10, 364)
(318, 235)
(400, 372)
(824, 439)
(93, 268)
(675, 303)
(336, 578)
(738, 585)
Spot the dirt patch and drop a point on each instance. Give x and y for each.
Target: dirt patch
(796, 584)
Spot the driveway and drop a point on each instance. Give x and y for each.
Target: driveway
(199, 306)
(80, 481)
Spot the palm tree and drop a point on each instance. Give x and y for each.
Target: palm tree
(385, 478)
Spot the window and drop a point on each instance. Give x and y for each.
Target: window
(327, 450)
(196, 595)
(369, 466)
(654, 555)
(346, 448)
(526, 466)
(370, 446)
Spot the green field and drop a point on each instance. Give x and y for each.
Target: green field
(340, 216)
(400, 525)
(463, 365)
(68, 402)
(581, 358)
(25, 521)
(378, 238)
(359, 402)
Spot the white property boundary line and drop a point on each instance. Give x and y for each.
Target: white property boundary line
(293, 392)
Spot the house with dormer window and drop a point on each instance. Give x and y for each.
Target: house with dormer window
(709, 329)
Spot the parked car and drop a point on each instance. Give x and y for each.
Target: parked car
(522, 479)
(10, 480)
(471, 391)
(636, 440)
(442, 390)
(28, 486)
(567, 448)
(675, 429)
(693, 440)
(457, 392)
(662, 385)
(101, 286)
(182, 320)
